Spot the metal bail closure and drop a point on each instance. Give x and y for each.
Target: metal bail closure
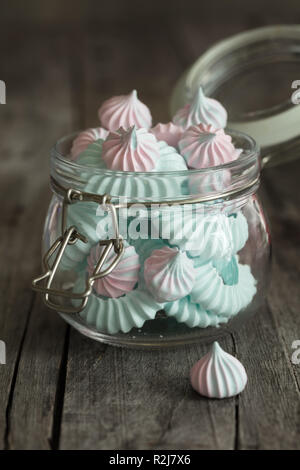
(118, 246)
(69, 237)
(59, 246)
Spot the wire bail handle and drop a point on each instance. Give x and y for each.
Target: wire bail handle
(70, 236)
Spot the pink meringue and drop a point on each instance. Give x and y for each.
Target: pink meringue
(218, 374)
(130, 150)
(169, 274)
(203, 146)
(124, 111)
(85, 138)
(169, 133)
(201, 110)
(123, 277)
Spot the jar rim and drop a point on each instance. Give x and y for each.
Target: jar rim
(245, 159)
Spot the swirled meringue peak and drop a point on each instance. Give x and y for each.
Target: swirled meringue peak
(85, 138)
(169, 274)
(201, 110)
(218, 374)
(203, 146)
(169, 133)
(130, 150)
(124, 111)
(123, 277)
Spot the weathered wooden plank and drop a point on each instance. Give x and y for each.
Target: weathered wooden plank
(39, 386)
(269, 409)
(125, 399)
(36, 114)
(282, 199)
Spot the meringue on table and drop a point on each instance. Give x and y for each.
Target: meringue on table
(218, 374)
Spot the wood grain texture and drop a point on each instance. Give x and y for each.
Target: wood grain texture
(269, 410)
(140, 400)
(36, 113)
(282, 199)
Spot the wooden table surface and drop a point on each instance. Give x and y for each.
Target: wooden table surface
(59, 390)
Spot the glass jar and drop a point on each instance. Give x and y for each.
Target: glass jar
(155, 259)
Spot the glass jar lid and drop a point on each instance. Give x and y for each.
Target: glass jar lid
(255, 75)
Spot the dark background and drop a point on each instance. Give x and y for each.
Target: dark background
(60, 60)
(207, 14)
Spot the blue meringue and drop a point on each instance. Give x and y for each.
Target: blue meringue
(113, 315)
(226, 300)
(193, 315)
(170, 159)
(239, 231)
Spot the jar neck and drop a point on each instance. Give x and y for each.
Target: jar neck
(236, 180)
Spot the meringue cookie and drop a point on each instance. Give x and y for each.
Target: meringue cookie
(239, 231)
(226, 300)
(218, 374)
(228, 270)
(154, 186)
(169, 274)
(85, 138)
(124, 111)
(204, 146)
(170, 159)
(216, 181)
(92, 155)
(205, 235)
(211, 239)
(193, 315)
(130, 150)
(145, 247)
(123, 277)
(201, 110)
(169, 133)
(111, 315)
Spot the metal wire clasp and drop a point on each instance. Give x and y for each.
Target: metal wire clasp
(70, 236)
